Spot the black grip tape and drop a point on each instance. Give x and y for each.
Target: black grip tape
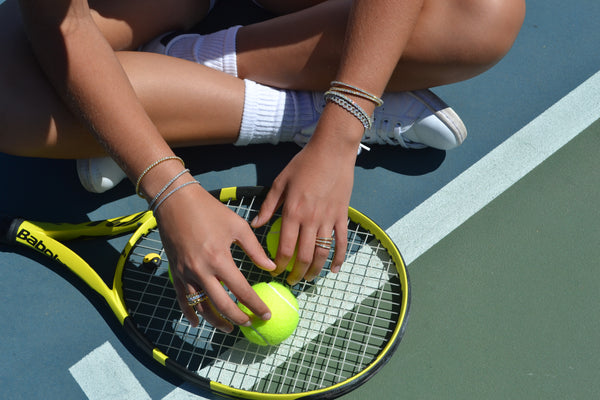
(8, 229)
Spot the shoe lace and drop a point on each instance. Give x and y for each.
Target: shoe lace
(384, 132)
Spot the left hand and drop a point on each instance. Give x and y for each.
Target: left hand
(315, 189)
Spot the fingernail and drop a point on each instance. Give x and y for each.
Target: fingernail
(247, 324)
(336, 268)
(266, 316)
(253, 223)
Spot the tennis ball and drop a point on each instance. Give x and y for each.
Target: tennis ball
(273, 243)
(284, 315)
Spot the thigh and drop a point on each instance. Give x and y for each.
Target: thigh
(30, 111)
(127, 24)
(31, 114)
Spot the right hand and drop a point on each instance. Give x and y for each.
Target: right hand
(197, 231)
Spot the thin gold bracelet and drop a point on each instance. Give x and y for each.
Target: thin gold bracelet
(149, 168)
(351, 89)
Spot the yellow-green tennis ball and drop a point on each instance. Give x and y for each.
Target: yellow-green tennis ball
(284, 315)
(170, 276)
(273, 242)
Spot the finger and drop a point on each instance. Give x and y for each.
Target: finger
(288, 239)
(205, 308)
(247, 296)
(181, 289)
(249, 243)
(223, 303)
(323, 243)
(341, 245)
(272, 201)
(305, 255)
(210, 313)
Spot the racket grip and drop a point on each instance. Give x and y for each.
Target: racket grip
(8, 229)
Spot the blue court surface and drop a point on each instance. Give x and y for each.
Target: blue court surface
(501, 237)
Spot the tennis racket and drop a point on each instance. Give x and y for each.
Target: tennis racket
(350, 322)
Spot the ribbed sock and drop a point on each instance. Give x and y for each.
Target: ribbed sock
(215, 50)
(274, 115)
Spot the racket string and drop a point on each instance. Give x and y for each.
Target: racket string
(346, 319)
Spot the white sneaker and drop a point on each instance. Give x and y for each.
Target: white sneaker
(413, 120)
(97, 175)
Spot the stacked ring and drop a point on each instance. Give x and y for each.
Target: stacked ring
(324, 242)
(196, 298)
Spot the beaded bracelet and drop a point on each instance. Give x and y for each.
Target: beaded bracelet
(149, 168)
(172, 192)
(151, 206)
(338, 86)
(347, 104)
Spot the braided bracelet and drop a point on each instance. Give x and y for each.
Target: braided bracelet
(149, 168)
(347, 104)
(151, 206)
(338, 86)
(172, 192)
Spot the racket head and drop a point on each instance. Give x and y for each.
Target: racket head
(350, 322)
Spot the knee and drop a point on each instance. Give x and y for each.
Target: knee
(494, 26)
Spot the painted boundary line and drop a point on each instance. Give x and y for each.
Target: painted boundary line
(102, 374)
(485, 180)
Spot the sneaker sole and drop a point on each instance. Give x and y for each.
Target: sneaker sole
(444, 112)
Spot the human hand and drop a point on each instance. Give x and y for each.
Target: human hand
(197, 232)
(314, 189)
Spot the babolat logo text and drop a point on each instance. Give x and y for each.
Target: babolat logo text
(36, 243)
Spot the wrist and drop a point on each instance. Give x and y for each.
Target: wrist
(338, 129)
(160, 177)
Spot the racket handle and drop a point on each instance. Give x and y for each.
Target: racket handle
(8, 229)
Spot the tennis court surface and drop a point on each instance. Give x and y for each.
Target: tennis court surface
(502, 239)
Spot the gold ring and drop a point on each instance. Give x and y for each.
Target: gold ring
(196, 298)
(324, 242)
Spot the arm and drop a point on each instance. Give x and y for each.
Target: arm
(316, 185)
(87, 75)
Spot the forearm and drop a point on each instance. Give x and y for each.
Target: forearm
(376, 36)
(87, 75)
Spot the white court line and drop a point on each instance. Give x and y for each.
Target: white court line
(432, 220)
(485, 180)
(102, 375)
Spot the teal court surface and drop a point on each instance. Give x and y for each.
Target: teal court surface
(501, 237)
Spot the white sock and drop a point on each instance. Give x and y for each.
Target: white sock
(274, 115)
(216, 50)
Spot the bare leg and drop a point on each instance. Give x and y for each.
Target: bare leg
(192, 105)
(453, 41)
(189, 103)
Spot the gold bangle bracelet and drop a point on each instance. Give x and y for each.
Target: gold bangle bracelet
(149, 168)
